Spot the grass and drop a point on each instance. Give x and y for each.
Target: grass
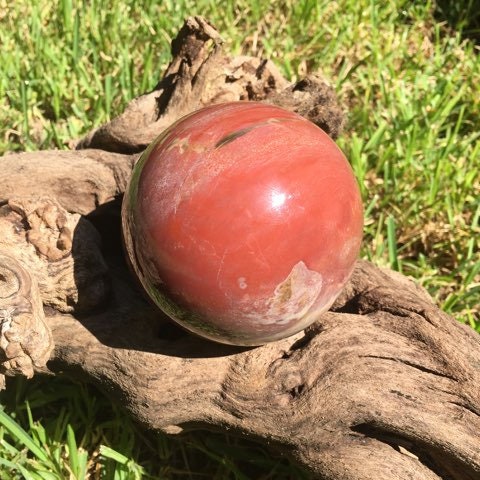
(409, 76)
(78, 432)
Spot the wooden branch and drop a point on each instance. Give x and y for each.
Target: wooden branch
(383, 386)
(200, 74)
(81, 181)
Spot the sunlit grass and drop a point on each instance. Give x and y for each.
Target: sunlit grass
(410, 82)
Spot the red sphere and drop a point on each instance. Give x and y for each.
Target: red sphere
(243, 222)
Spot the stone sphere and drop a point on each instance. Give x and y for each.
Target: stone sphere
(243, 222)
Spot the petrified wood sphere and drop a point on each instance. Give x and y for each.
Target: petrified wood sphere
(243, 222)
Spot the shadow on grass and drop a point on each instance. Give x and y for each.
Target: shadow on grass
(461, 15)
(56, 402)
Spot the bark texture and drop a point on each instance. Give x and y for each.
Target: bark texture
(384, 386)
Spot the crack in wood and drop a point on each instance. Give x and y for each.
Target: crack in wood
(437, 463)
(413, 365)
(465, 406)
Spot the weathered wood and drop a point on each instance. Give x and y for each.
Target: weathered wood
(60, 249)
(81, 181)
(201, 74)
(25, 340)
(384, 386)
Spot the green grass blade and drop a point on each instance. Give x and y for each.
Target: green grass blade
(392, 244)
(22, 436)
(73, 452)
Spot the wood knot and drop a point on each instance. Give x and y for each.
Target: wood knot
(289, 381)
(9, 282)
(25, 339)
(61, 249)
(293, 384)
(49, 229)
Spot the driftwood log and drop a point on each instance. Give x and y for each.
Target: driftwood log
(384, 386)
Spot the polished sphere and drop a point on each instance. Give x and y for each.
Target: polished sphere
(243, 222)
